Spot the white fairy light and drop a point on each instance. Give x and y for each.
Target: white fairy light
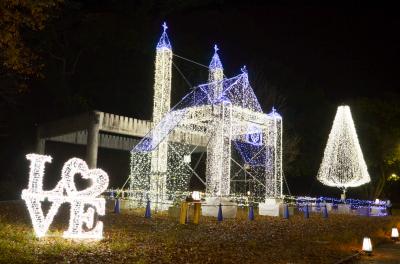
(367, 245)
(187, 159)
(343, 163)
(196, 195)
(66, 192)
(395, 233)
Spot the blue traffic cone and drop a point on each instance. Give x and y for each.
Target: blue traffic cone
(251, 213)
(325, 212)
(147, 214)
(220, 217)
(306, 212)
(116, 206)
(286, 211)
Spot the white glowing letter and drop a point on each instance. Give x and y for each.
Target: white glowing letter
(35, 195)
(79, 217)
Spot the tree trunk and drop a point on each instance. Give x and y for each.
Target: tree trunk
(381, 182)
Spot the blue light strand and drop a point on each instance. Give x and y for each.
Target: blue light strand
(355, 204)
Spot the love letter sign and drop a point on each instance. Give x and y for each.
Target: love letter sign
(66, 192)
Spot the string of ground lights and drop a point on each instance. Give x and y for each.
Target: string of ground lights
(222, 113)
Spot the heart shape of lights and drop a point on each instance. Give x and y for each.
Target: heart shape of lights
(98, 178)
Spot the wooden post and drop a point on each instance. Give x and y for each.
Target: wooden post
(183, 214)
(196, 216)
(93, 140)
(40, 142)
(40, 146)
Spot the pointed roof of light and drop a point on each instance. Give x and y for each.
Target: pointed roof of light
(215, 61)
(274, 113)
(164, 40)
(245, 74)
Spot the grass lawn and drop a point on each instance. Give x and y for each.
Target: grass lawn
(130, 238)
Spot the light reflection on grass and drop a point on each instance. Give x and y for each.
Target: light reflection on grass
(130, 238)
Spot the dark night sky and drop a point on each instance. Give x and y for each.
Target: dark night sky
(315, 55)
(347, 52)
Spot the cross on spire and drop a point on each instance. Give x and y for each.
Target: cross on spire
(274, 113)
(164, 41)
(215, 61)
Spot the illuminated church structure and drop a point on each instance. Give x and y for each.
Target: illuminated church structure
(218, 117)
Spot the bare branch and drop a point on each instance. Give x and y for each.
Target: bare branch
(63, 61)
(72, 71)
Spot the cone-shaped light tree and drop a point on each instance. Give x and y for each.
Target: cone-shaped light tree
(343, 163)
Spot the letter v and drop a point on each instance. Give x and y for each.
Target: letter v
(39, 221)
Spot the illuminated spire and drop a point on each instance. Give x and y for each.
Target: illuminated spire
(215, 75)
(245, 76)
(274, 113)
(164, 43)
(215, 61)
(162, 78)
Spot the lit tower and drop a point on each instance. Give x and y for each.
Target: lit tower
(161, 105)
(273, 166)
(219, 146)
(273, 147)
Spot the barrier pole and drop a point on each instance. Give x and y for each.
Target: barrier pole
(196, 216)
(183, 214)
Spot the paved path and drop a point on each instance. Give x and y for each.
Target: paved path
(383, 254)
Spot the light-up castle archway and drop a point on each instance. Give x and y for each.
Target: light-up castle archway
(224, 115)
